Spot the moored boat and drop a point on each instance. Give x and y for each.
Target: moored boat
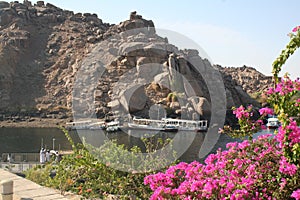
(113, 126)
(146, 124)
(273, 123)
(187, 125)
(168, 124)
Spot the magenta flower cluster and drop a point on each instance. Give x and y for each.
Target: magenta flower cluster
(285, 86)
(292, 130)
(296, 29)
(287, 168)
(266, 111)
(241, 112)
(244, 171)
(296, 194)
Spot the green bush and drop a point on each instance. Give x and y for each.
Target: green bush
(91, 177)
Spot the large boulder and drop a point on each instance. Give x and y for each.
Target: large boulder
(134, 99)
(148, 71)
(136, 21)
(162, 80)
(6, 15)
(40, 4)
(128, 47)
(201, 106)
(147, 60)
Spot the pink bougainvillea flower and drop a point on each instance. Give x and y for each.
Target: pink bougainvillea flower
(286, 167)
(266, 111)
(296, 29)
(263, 127)
(240, 112)
(270, 91)
(296, 194)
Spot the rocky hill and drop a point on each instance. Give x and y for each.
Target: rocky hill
(251, 80)
(41, 47)
(48, 55)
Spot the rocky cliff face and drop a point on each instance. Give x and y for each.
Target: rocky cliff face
(251, 80)
(43, 48)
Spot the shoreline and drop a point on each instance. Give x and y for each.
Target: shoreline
(35, 122)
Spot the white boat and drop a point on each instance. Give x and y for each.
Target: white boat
(187, 125)
(151, 125)
(146, 124)
(273, 123)
(113, 126)
(168, 124)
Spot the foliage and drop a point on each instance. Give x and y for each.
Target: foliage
(287, 107)
(263, 168)
(172, 97)
(290, 48)
(135, 161)
(284, 99)
(91, 177)
(247, 126)
(83, 174)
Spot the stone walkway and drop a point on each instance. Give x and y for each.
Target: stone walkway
(28, 190)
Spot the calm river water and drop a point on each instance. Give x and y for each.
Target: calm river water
(29, 140)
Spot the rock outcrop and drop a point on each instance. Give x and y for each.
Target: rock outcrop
(47, 55)
(41, 47)
(251, 80)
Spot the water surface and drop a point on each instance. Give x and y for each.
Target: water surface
(30, 140)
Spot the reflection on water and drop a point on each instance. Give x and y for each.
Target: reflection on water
(29, 140)
(185, 144)
(264, 132)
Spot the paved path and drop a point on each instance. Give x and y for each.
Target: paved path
(28, 190)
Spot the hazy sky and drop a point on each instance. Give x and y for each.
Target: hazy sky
(231, 32)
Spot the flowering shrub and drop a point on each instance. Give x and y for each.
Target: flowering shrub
(245, 171)
(263, 168)
(282, 98)
(247, 126)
